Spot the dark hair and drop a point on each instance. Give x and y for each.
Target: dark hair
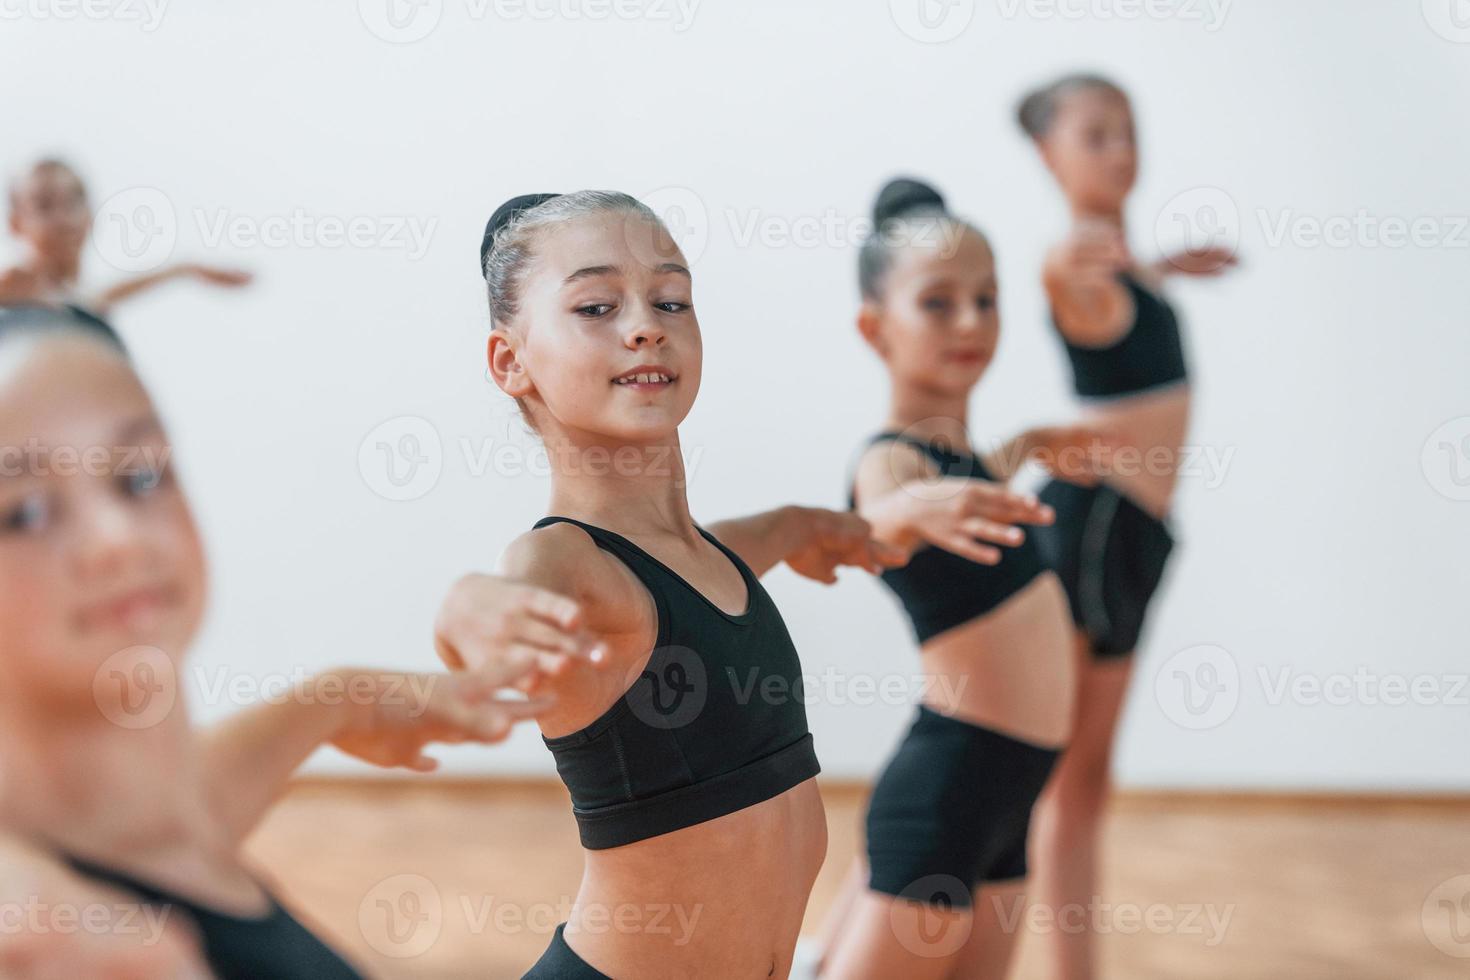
(906, 209)
(35, 319)
(1038, 110)
(506, 246)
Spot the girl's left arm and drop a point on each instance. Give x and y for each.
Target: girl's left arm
(813, 541)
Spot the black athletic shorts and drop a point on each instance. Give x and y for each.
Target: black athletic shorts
(952, 810)
(560, 962)
(1110, 555)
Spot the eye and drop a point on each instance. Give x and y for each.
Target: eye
(674, 306)
(30, 515)
(143, 481)
(936, 304)
(985, 303)
(594, 310)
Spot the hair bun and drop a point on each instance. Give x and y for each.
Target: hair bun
(903, 195)
(503, 216)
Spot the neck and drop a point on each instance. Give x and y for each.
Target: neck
(1112, 215)
(928, 414)
(96, 790)
(622, 486)
(60, 272)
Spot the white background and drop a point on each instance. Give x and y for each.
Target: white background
(1331, 545)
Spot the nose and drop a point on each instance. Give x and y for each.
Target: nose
(111, 538)
(969, 320)
(643, 329)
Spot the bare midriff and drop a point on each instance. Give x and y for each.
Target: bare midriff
(1010, 670)
(1152, 426)
(723, 898)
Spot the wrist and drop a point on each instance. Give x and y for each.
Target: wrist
(342, 698)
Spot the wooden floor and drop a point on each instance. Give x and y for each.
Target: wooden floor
(457, 880)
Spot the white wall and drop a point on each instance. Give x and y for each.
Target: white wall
(1326, 548)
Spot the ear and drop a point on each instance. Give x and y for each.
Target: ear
(505, 364)
(870, 325)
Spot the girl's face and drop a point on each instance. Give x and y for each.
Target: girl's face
(937, 324)
(1090, 148)
(49, 211)
(605, 342)
(98, 551)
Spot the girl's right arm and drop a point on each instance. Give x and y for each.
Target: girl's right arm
(1092, 308)
(561, 604)
(908, 505)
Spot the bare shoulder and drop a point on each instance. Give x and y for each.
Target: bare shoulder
(564, 558)
(888, 464)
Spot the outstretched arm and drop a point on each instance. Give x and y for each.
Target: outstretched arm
(813, 541)
(909, 505)
(128, 288)
(381, 717)
(1077, 453)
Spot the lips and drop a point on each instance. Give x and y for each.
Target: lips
(131, 611)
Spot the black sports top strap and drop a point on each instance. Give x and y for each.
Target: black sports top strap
(1149, 355)
(940, 589)
(691, 739)
(274, 945)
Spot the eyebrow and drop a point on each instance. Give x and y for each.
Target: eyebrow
(144, 425)
(593, 271)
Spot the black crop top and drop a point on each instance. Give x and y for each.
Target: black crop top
(275, 945)
(940, 589)
(715, 723)
(1149, 355)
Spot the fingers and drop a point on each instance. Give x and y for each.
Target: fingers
(992, 531)
(968, 547)
(993, 502)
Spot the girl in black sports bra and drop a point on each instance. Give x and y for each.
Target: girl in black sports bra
(947, 822)
(111, 807)
(1110, 541)
(686, 753)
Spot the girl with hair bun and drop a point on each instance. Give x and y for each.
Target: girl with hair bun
(947, 823)
(686, 751)
(1111, 540)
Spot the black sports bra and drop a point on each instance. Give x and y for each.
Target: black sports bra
(1149, 355)
(275, 945)
(715, 723)
(940, 589)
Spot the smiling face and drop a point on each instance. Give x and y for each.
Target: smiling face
(48, 211)
(1090, 148)
(98, 551)
(937, 323)
(605, 345)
